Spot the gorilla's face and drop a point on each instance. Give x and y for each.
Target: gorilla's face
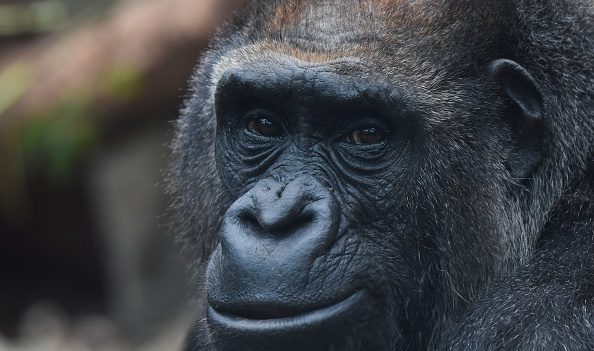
(355, 205)
(314, 161)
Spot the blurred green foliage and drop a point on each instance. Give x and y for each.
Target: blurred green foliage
(55, 140)
(14, 82)
(124, 82)
(58, 138)
(36, 17)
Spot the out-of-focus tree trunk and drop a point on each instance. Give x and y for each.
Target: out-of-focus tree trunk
(143, 48)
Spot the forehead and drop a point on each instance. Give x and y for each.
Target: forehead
(325, 21)
(374, 29)
(332, 17)
(408, 43)
(383, 33)
(397, 36)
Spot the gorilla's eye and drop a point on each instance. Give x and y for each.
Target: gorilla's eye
(265, 126)
(367, 135)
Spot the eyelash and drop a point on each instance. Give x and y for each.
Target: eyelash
(349, 129)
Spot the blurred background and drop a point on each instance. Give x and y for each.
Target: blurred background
(88, 93)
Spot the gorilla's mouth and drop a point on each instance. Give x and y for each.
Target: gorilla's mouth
(276, 321)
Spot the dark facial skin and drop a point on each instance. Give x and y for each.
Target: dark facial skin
(311, 150)
(380, 175)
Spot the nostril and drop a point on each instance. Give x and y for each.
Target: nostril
(275, 221)
(305, 218)
(248, 219)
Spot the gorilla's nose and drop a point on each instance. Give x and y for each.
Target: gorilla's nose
(300, 217)
(270, 238)
(285, 211)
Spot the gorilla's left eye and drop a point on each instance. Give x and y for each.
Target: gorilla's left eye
(367, 135)
(264, 126)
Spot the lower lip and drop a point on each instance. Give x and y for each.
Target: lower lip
(285, 324)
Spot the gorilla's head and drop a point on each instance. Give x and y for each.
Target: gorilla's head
(350, 174)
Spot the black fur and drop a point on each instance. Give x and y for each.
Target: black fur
(548, 303)
(485, 240)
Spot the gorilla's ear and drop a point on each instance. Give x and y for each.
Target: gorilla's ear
(519, 86)
(527, 120)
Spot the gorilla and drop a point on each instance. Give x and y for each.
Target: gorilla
(391, 175)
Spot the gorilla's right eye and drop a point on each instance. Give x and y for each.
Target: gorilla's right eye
(264, 126)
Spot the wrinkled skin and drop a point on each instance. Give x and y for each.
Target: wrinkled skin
(392, 175)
